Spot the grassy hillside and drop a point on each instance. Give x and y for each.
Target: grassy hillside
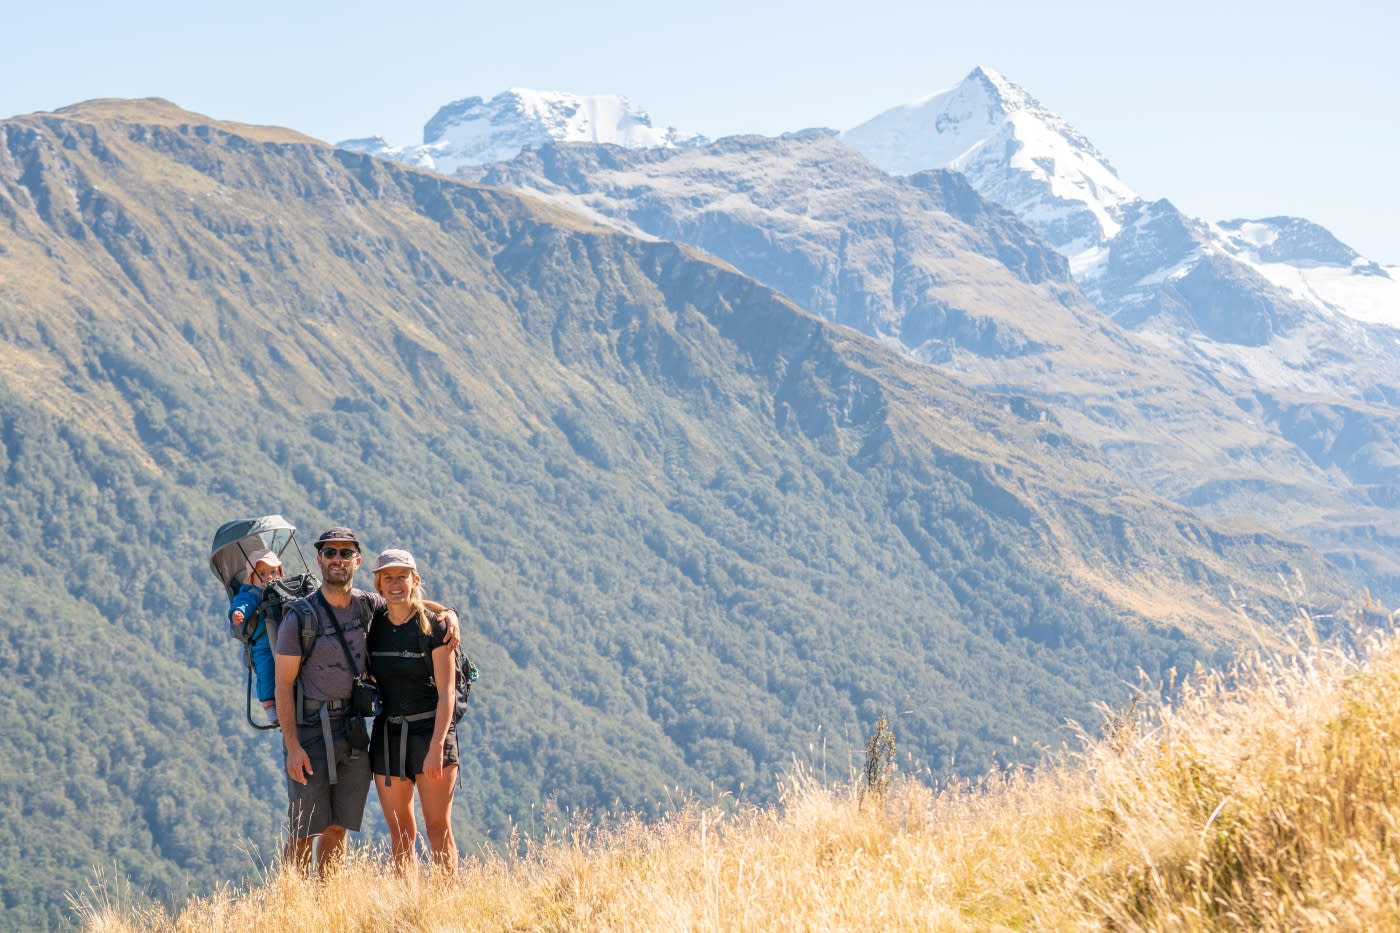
(696, 532)
(1262, 800)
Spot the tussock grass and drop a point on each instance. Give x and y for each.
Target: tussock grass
(1263, 798)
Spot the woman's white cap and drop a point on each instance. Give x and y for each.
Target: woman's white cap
(395, 557)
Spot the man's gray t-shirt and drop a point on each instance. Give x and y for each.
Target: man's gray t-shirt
(325, 674)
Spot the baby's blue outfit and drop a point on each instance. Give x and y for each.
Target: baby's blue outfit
(260, 647)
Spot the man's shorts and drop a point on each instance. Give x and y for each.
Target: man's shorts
(420, 736)
(318, 804)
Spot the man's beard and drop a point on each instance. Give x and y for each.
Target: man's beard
(339, 577)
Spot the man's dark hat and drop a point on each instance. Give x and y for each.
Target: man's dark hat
(338, 534)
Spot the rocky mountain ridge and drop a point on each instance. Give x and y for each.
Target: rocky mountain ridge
(1242, 302)
(926, 264)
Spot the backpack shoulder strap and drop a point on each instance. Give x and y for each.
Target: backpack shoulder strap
(318, 599)
(308, 623)
(308, 629)
(425, 647)
(362, 609)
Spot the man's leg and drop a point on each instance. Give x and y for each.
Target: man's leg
(346, 801)
(330, 849)
(308, 806)
(298, 854)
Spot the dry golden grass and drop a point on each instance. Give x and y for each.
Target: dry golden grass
(1265, 799)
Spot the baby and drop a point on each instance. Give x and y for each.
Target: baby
(263, 567)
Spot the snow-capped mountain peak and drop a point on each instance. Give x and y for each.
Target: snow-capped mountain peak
(476, 131)
(1010, 96)
(939, 129)
(1013, 149)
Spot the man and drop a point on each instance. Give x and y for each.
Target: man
(328, 780)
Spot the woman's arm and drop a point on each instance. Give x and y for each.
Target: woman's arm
(446, 678)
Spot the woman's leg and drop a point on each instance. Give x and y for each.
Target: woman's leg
(435, 794)
(396, 800)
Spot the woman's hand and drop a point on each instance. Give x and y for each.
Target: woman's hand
(432, 763)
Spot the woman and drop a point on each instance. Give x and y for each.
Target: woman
(415, 741)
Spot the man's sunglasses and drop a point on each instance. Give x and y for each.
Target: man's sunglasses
(344, 553)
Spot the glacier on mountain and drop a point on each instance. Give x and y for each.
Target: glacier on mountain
(475, 131)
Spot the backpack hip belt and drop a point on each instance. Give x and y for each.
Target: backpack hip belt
(402, 722)
(311, 707)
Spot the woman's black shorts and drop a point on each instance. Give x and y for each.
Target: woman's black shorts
(384, 748)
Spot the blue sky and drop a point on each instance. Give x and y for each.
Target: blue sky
(1229, 109)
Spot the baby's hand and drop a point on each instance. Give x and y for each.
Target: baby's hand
(238, 617)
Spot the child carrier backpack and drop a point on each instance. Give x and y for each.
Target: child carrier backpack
(233, 543)
(277, 596)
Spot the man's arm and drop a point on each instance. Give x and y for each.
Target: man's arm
(449, 618)
(298, 763)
